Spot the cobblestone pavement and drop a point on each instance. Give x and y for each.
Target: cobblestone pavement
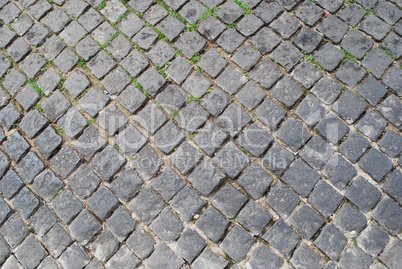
(200, 134)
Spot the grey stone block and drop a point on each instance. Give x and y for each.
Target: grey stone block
(112, 119)
(102, 202)
(229, 200)
(47, 185)
(277, 159)
(237, 243)
(331, 241)
(147, 205)
(293, 133)
(104, 246)
(206, 177)
(254, 217)
(121, 224)
(74, 257)
(349, 220)
(124, 258)
(167, 226)
(84, 227)
(16, 146)
(213, 224)
(196, 84)
(355, 257)
(42, 220)
(127, 184)
(306, 257)
(211, 259)
(373, 240)
(325, 199)
(164, 257)
(14, 230)
(25, 202)
(388, 214)
(187, 203)
(57, 240)
(376, 164)
(147, 162)
(108, 162)
(66, 206)
(141, 243)
(190, 244)
(282, 237)
(30, 253)
(306, 221)
(333, 28)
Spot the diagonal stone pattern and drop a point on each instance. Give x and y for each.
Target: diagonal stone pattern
(200, 134)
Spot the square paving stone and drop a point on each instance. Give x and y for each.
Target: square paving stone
(130, 140)
(90, 142)
(66, 206)
(30, 253)
(339, 171)
(293, 133)
(307, 39)
(371, 125)
(231, 80)
(179, 70)
(101, 64)
(325, 199)
(229, 200)
(25, 202)
(231, 159)
(187, 203)
(255, 139)
(377, 62)
(393, 80)
(9, 115)
(354, 147)
(57, 240)
(73, 33)
(119, 47)
(375, 27)
(355, 257)
(230, 40)
(332, 128)
(190, 43)
(306, 221)
(30, 166)
(233, 119)
(122, 258)
(329, 56)
(76, 83)
(211, 28)
(146, 205)
(87, 48)
(237, 243)
(287, 91)
(356, 43)
(127, 184)
(176, 4)
(196, 84)
(56, 20)
(145, 38)
(268, 11)
(151, 118)
(12, 262)
(10, 184)
(331, 241)
(22, 24)
(168, 137)
(376, 164)
(388, 214)
(52, 47)
(6, 36)
(132, 99)
(316, 152)
(84, 227)
(192, 117)
(282, 237)
(210, 138)
(16, 146)
(155, 14)
(349, 220)
(212, 62)
(65, 161)
(42, 220)
(391, 143)
(116, 81)
(113, 11)
(167, 226)
(72, 123)
(147, 162)
(209, 258)
(18, 49)
(112, 119)
(391, 108)
(47, 142)
(213, 224)
(32, 64)
(14, 230)
(301, 178)
(37, 34)
(172, 98)
(331, 6)
(102, 202)
(168, 184)
(372, 90)
(193, 11)
(28, 97)
(393, 44)
(49, 81)
(152, 81)
(254, 217)
(190, 244)
(349, 106)
(75, 7)
(39, 9)
(282, 200)
(94, 101)
(306, 257)
(249, 24)
(333, 28)
(206, 177)
(74, 257)
(251, 95)
(286, 55)
(309, 13)
(161, 53)
(311, 110)
(141, 243)
(352, 14)
(90, 20)
(373, 240)
(265, 40)
(306, 74)
(285, 25)
(108, 162)
(164, 257)
(230, 12)
(140, 6)
(56, 105)
(391, 255)
(104, 246)
(246, 57)
(47, 185)
(84, 181)
(48, 262)
(171, 27)
(215, 102)
(12, 83)
(277, 159)
(388, 12)
(131, 25)
(363, 194)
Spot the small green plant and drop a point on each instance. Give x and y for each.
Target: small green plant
(356, 28)
(369, 11)
(39, 108)
(209, 13)
(349, 57)
(159, 105)
(209, 90)
(176, 15)
(81, 62)
(200, 70)
(91, 121)
(193, 98)
(175, 149)
(60, 131)
(178, 53)
(50, 1)
(175, 114)
(196, 58)
(190, 135)
(387, 52)
(354, 240)
(350, 1)
(232, 25)
(235, 216)
(313, 1)
(35, 86)
(101, 5)
(310, 58)
(160, 34)
(192, 27)
(244, 6)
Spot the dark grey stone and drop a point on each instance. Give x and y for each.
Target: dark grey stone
(147, 162)
(193, 11)
(21, 24)
(28, 97)
(5, 210)
(229, 200)
(355, 257)
(141, 243)
(388, 12)
(285, 25)
(371, 125)
(392, 79)
(135, 63)
(49, 262)
(307, 39)
(352, 14)
(254, 217)
(94, 101)
(268, 11)
(42, 220)
(168, 184)
(187, 203)
(373, 240)
(376, 164)
(331, 241)
(375, 27)
(237, 243)
(57, 240)
(102, 202)
(255, 139)
(349, 106)
(286, 55)
(350, 73)
(72, 123)
(255, 181)
(331, 6)
(130, 140)
(124, 258)
(354, 147)
(230, 40)
(210, 259)
(332, 128)
(25, 202)
(389, 215)
(101, 64)
(231, 160)
(263, 257)
(16, 146)
(309, 13)
(90, 142)
(293, 133)
(113, 11)
(84, 227)
(189, 245)
(108, 162)
(391, 256)
(372, 90)
(66, 206)
(119, 47)
(66, 60)
(212, 62)
(104, 246)
(65, 161)
(265, 40)
(316, 152)
(393, 43)
(52, 47)
(30, 253)
(251, 95)
(73, 33)
(84, 181)
(167, 226)
(131, 25)
(56, 105)
(349, 220)
(192, 117)
(116, 81)
(196, 84)
(270, 113)
(231, 80)
(215, 102)
(282, 237)
(287, 91)
(205, 177)
(333, 28)
(32, 64)
(74, 257)
(49, 81)
(14, 230)
(37, 34)
(213, 224)
(171, 27)
(325, 199)
(179, 70)
(132, 99)
(391, 109)
(376, 62)
(161, 53)
(233, 119)
(329, 56)
(152, 81)
(210, 138)
(249, 24)
(146, 205)
(10, 184)
(112, 119)
(18, 49)
(90, 20)
(282, 200)
(75, 7)
(13, 82)
(164, 257)
(356, 43)
(230, 12)
(306, 257)
(211, 28)
(47, 185)
(9, 115)
(306, 221)
(190, 43)
(127, 184)
(172, 98)
(306, 74)
(393, 186)
(277, 159)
